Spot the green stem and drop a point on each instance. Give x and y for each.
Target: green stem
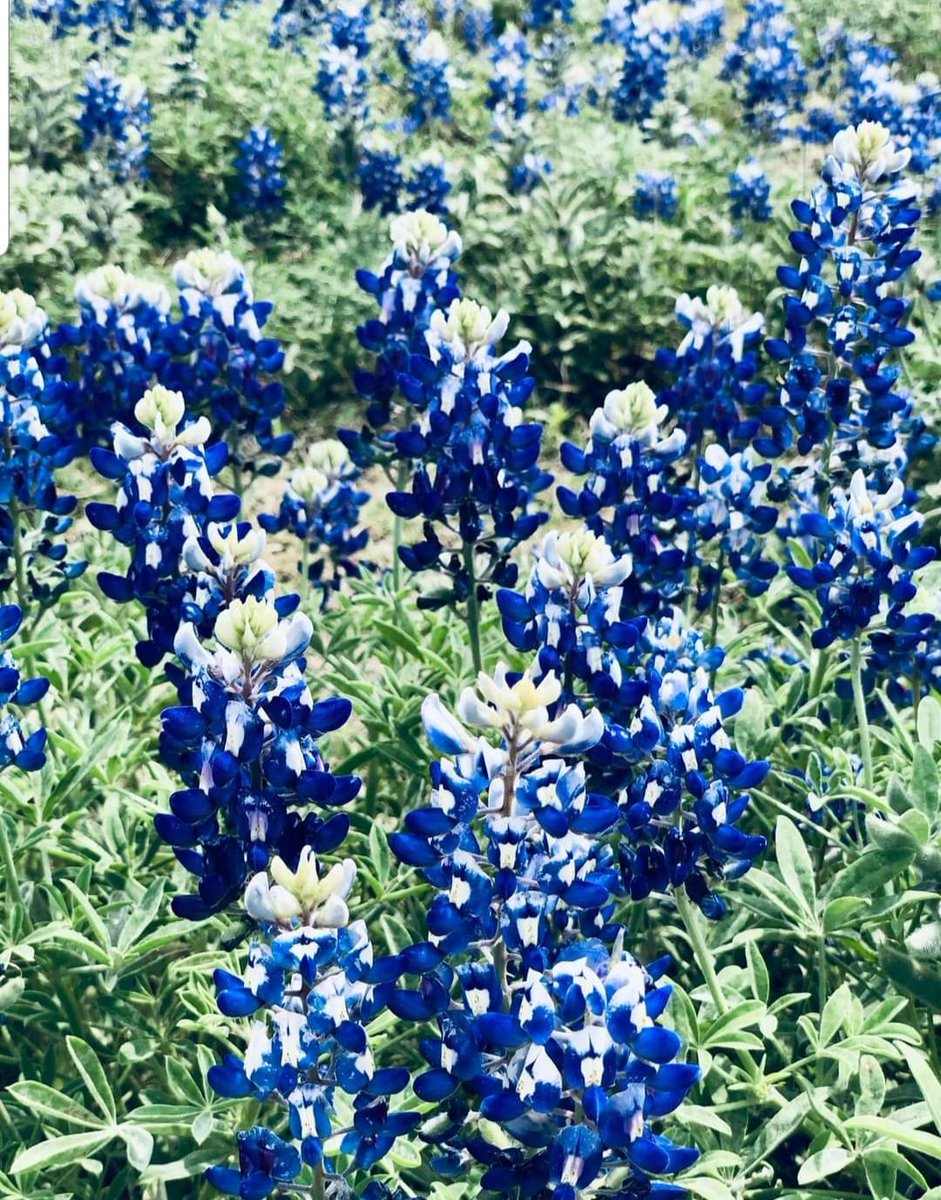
(859, 700)
(692, 922)
(14, 892)
(716, 597)
(319, 1190)
(473, 606)
(819, 673)
(401, 478)
(22, 597)
(305, 567)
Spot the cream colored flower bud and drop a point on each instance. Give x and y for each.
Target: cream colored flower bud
(252, 628)
(161, 411)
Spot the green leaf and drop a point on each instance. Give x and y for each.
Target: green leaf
(39, 1098)
(60, 1152)
(913, 1139)
(141, 916)
(871, 1087)
(925, 783)
(380, 857)
(92, 1072)
(139, 1143)
(796, 866)
(759, 971)
(928, 1082)
(837, 1014)
(825, 1162)
(929, 722)
(772, 1133)
(740, 1016)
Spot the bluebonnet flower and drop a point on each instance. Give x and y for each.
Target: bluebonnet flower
(475, 461)
(294, 22)
(428, 185)
(24, 750)
(631, 497)
(322, 507)
(342, 85)
(33, 514)
(713, 391)
(307, 988)
(120, 338)
(165, 498)
(861, 557)
(749, 193)
(508, 98)
(223, 361)
(647, 34)
(543, 14)
(244, 742)
(429, 81)
(527, 174)
(259, 164)
(552, 1038)
(699, 28)
(416, 280)
(656, 196)
(380, 177)
(843, 308)
(475, 22)
(766, 70)
(114, 119)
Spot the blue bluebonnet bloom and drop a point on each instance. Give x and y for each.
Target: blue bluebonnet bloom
(647, 34)
(861, 560)
(749, 193)
(114, 122)
(416, 280)
(244, 742)
(543, 14)
(428, 185)
(843, 308)
(713, 391)
(223, 361)
(321, 507)
(632, 496)
(259, 163)
(475, 460)
(121, 343)
(700, 26)
(429, 81)
(766, 70)
(508, 98)
(527, 174)
(380, 177)
(165, 498)
(307, 1043)
(24, 750)
(656, 196)
(552, 1038)
(475, 22)
(679, 785)
(342, 85)
(33, 514)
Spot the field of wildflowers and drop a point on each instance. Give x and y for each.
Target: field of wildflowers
(470, 687)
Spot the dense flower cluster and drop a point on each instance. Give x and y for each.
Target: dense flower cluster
(33, 513)
(321, 507)
(259, 163)
(656, 196)
(306, 986)
(647, 33)
(474, 459)
(843, 307)
(552, 1036)
(429, 81)
(114, 122)
(750, 193)
(863, 557)
(416, 281)
(765, 67)
(165, 499)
